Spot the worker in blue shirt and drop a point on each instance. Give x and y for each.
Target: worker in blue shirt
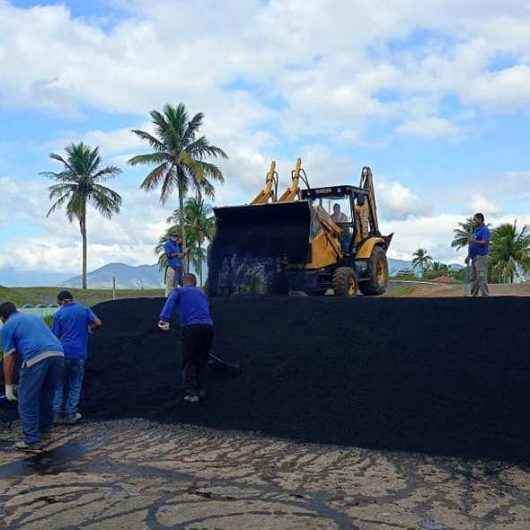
(478, 251)
(42, 362)
(174, 254)
(197, 334)
(71, 325)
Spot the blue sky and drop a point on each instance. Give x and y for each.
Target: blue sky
(434, 99)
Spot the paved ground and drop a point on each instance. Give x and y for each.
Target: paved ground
(136, 474)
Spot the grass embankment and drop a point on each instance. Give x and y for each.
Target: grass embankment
(48, 295)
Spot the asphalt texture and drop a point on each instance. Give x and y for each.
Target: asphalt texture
(441, 376)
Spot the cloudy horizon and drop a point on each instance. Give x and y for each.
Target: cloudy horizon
(434, 98)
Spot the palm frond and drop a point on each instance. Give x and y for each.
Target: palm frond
(155, 143)
(154, 178)
(151, 158)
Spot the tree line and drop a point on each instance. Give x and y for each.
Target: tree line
(181, 157)
(509, 252)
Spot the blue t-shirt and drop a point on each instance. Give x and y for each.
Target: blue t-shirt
(170, 247)
(482, 233)
(193, 307)
(70, 325)
(29, 336)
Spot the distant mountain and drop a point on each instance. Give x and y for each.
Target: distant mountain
(398, 265)
(127, 277)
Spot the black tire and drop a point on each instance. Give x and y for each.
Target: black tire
(344, 282)
(377, 272)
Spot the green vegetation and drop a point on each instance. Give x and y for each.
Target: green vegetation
(421, 260)
(79, 184)
(179, 156)
(199, 226)
(510, 252)
(48, 295)
(400, 290)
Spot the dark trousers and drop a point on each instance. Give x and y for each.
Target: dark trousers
(197, 342)
(35, 396)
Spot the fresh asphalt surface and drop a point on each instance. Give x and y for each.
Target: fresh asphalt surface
(444, 377)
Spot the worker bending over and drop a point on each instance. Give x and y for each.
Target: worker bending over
(197, 334)
(42, 358)
(174, 255)
(478, 256)
(71, 325)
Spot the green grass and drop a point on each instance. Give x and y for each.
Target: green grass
(400, 290)
(48, 295)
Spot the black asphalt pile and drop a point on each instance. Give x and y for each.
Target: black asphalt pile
(441, 376)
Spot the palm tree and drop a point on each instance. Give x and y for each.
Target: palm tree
(421, 260)
(79, 184)
(199, 225)
(510, 251)
(439, 267)
(179, 156)
(463, 234)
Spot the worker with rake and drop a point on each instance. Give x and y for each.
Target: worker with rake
(42, 358)
(478, 256)
(197, 335)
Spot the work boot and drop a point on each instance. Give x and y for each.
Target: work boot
(29, 448)
(58, 419)
(74, 418)
(191, 398)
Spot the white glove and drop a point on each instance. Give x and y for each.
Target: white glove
(10, 393)
(164, 326)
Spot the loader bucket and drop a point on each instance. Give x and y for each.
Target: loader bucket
(252, 242)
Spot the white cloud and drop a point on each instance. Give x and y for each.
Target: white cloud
(399, 202)
(429, 127)
(480, 203)
(129, 236)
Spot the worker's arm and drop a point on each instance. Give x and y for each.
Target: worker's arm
(168, 309)
(482, 243)
(10, 347)
(93, 321)
(9, 375)
(56, 326)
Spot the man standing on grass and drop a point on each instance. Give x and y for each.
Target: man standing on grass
(197, 335)
(478, 256)
(174, 255)
(42, 357)
(71, 325)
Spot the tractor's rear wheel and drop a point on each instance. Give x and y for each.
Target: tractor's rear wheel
(344, 282)
(377, 273)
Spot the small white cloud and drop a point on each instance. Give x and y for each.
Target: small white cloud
(480, 203)
(428, 127)
(398, 202)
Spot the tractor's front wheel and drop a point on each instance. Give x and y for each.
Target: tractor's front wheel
(377, 274)
(344, 282)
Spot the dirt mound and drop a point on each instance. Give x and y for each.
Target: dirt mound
(442, 376)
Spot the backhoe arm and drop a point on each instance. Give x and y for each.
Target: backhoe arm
(269, 192)
(368, 184)
(293, 191)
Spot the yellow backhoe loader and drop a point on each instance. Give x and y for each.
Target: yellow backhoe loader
(300, 241)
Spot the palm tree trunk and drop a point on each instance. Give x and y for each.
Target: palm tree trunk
(82, 223)
(181, 222)
(199, 262)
